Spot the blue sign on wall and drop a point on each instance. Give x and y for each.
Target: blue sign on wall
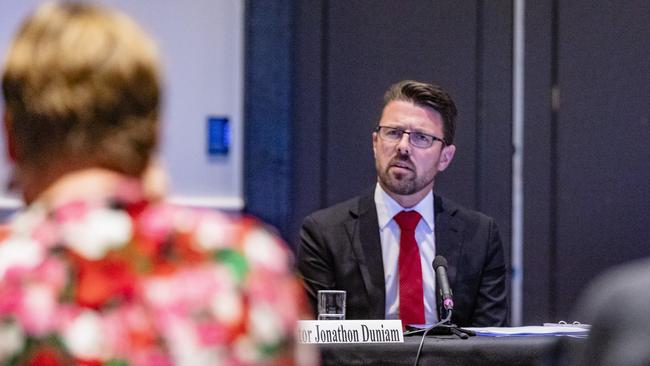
(218, 136)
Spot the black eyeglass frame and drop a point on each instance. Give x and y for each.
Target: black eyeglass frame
(402, 132)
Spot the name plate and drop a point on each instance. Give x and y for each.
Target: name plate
(350, 331)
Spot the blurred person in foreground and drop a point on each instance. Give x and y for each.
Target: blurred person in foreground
(94, 271)
(616, 305)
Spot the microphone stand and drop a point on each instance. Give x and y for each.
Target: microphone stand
(443, 327)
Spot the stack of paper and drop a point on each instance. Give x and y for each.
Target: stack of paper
(559, 330)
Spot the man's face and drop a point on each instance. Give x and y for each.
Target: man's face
(406, 172)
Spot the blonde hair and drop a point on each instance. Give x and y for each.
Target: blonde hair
(82, 83)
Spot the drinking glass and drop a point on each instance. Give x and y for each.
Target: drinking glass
(331, 305)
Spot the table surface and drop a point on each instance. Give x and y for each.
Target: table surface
(448, 350)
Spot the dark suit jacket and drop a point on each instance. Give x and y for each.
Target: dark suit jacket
(340, 249)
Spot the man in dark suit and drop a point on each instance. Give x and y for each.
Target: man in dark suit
(367, 247)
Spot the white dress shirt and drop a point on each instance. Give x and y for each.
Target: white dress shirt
(389, 232)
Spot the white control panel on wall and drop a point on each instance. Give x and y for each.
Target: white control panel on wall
(202, 48)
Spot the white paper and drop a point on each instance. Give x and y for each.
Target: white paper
(530, 330)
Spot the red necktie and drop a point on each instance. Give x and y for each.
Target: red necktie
(411, 303)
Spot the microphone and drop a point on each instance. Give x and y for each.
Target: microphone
(440, 267)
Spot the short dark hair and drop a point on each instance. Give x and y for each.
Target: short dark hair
(427, 95)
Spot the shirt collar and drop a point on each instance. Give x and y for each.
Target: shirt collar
(387, 208)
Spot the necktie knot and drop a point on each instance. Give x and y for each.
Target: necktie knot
(407, 220)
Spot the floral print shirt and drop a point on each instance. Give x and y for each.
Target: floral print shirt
(123, 281)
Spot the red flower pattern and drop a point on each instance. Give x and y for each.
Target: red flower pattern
(132, 282)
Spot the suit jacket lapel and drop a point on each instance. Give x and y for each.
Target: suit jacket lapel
(448, 230)
(364, 234)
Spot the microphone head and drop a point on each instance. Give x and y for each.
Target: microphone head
(439, 261)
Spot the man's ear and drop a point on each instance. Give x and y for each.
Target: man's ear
(9, 136)
(446, 156)
(374, 144)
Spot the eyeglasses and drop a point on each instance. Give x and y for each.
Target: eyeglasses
(417, 139)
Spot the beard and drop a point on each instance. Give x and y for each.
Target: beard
(405, 181)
